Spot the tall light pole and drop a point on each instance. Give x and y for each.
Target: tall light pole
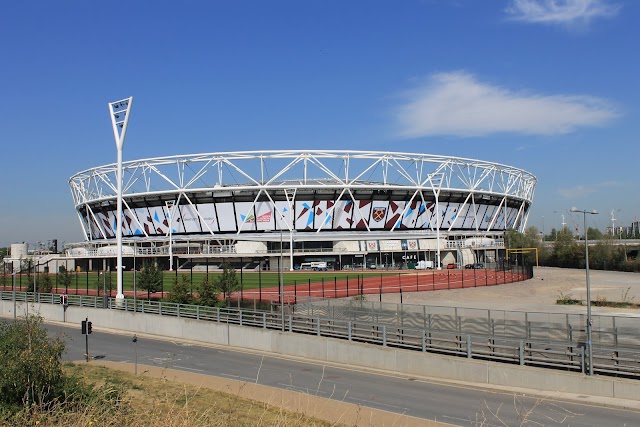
(170, 204)
(119, 112)
(14, 295)
(281, 277)
(586, 254)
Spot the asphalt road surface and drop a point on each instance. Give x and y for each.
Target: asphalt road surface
(429, 400)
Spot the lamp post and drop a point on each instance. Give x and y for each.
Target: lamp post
(281, 277)
(14, 295)
(170, 204)
(119, 112)
(586, 254)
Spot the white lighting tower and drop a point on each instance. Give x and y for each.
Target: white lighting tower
(119, 112)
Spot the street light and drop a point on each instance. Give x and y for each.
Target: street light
(586, 254)
(170, 205)
(14, 295)
(281, 280)
(119, 112)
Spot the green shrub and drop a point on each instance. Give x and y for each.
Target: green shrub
(31, 371)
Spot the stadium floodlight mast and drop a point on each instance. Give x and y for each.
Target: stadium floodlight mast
(586, 255)
(119, 112)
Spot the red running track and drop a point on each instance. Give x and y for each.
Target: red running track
(415, 281)
(411, 281)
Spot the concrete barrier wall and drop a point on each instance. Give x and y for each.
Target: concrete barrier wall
(341, 352)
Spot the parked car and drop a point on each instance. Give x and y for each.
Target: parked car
(452, 266)
(476, 266)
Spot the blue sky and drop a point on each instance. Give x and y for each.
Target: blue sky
(550, 86)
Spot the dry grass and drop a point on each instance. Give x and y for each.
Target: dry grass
(149, 401)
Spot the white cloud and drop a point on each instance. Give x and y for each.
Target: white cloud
(586, 190)
(455, 103)
(560, 11)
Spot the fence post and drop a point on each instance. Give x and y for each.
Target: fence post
(424, 340)
(264, 320)
(349, 329)
(384, 335)
(468, 346)
(318, 326)
(521, 352)
(177, 309)
(218, 314)
(240, 316)
(290, 323)
(198, 312)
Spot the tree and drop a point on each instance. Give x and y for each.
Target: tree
(150, 278)
(26, 266)
(594, 234)
(180, 293)
(529, 239)
(566, 251)
(64, 277)
(208, 293)
(227, 283)
(44, 284)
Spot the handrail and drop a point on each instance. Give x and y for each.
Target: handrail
(563, 355)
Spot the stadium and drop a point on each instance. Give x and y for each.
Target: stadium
(348, 209)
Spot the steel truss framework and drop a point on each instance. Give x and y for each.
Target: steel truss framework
(488, 197)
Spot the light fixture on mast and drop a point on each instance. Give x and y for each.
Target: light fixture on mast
(119, 112)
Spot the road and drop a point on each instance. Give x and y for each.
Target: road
(419, 398)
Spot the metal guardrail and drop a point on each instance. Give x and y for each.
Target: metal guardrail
(618, 361)
(608, 331)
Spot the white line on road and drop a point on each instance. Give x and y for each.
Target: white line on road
(189, 369)
(371, 402)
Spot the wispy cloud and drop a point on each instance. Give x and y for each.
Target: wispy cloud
(566, 12)
(585, 190)
(456, 103)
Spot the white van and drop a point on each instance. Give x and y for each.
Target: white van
(316, 266)
(424, 265)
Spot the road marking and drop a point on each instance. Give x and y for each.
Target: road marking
(306, 390)
(189, 369)
(237, 377)
(466, 420)
(379, 403)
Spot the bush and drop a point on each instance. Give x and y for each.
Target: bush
(31, 369)
(33, 383)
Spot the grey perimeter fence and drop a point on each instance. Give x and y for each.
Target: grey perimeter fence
(547, 340)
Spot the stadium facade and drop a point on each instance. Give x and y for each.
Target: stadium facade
(351, 209)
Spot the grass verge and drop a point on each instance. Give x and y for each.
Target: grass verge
(151, 401)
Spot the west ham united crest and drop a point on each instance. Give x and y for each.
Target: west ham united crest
(378, 214)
